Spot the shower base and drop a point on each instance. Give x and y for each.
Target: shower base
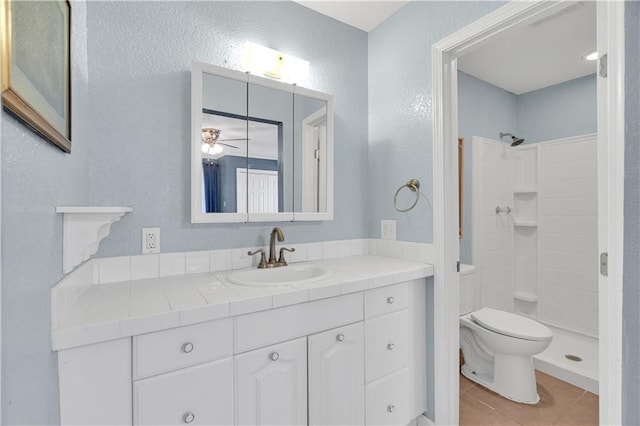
(554, 362)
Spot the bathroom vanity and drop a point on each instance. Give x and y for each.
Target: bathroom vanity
(348, 349)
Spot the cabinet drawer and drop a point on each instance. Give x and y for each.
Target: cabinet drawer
(387, 344)
(278, 325)
(385, 300)
(168, 350)
(201, 395)
(387, 400)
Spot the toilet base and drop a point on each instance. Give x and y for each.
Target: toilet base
(523, 390)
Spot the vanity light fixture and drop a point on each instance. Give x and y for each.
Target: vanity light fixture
(261, 60)
(590, 56)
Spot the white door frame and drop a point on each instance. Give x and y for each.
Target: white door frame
(445, 182)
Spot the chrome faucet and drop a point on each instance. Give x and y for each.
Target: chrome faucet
(273, 262)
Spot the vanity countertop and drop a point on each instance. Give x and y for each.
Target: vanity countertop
(117, 310)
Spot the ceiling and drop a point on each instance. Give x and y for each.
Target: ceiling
(262, 137)
(364, 15)
(541, 53)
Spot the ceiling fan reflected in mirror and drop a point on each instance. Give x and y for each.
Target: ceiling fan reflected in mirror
(211, 142)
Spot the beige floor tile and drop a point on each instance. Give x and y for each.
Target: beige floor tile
(560, 404)
(474, 412)
(583, 412)
(556, 398)
(465, 384)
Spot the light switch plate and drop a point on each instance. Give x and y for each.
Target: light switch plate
(388, 229)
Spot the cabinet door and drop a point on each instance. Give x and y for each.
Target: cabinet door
(199, 395)
(271, 385)
(336, 376)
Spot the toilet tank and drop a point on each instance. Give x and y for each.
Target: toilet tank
(467, 288)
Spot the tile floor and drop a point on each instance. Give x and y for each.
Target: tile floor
(560, 404)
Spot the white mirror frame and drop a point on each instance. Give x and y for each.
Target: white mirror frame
(197, 216)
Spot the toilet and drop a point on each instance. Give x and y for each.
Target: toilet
(498, 346)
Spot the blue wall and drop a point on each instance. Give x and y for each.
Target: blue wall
(400, 108)
(140, 155)
(566, 109)
(631, 277)
(483, 110)
(37, 177)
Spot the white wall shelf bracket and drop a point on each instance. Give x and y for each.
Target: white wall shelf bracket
(83, 229)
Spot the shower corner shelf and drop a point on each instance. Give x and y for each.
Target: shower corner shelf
(525, 224)
(525, 296)
(525, 191)
(82, 230)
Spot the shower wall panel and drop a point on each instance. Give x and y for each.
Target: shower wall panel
(569, 235)
(492, 241)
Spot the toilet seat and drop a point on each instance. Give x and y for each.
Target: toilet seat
(512, 325)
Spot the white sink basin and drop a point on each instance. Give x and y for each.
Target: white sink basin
(281, 276)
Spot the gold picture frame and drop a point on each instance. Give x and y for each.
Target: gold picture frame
(36, 66)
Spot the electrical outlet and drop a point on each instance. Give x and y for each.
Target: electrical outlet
(388, 229)
(150, 240)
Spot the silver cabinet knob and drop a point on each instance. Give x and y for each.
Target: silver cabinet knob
(390, 300)
(188, 418)
(391, 408)
(187, 347)
(391, 346)
(340, 337)
(274, 356)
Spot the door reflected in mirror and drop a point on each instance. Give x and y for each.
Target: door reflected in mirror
(311, 154)
(228, 168)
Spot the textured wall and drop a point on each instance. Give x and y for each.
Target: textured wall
(140, 57)
(631, 278)
(566, 109)
(483, 110)
(400, 108)
(37, 177)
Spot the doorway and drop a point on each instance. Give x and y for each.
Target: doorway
(610, 36)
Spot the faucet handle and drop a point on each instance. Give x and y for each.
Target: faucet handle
(281, 260)
(263, 261)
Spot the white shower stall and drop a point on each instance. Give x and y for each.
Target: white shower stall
(535, 242)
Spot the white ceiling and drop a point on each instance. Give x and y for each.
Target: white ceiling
(362, 14)
(539, 54)
(262, 137)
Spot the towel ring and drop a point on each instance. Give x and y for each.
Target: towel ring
(413, 185)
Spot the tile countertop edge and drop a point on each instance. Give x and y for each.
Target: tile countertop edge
(348, 278)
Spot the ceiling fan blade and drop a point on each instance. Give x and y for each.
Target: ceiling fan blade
(226, 144)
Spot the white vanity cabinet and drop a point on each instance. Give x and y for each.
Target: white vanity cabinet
(271, 385)
(336, 376)
(357, 358)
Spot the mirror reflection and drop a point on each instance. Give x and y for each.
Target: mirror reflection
(311, 154)
(262, 150)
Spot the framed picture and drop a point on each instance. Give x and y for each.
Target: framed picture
(36, 66)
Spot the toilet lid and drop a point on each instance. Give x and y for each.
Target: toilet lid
(511, 324)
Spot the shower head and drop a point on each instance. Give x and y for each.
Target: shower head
(515, 141)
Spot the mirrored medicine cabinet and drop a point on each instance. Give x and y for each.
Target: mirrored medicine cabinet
(261, 150)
